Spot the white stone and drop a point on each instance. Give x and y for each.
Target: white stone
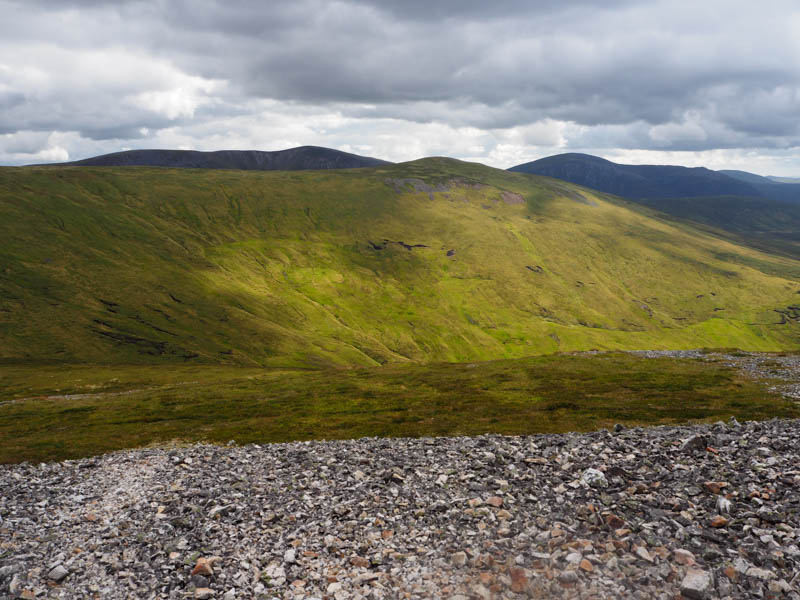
(334, 587)
(594, 478)
(762, 574)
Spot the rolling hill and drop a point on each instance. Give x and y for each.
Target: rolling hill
(432, 260)
(293, 159)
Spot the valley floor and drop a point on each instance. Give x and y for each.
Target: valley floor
(707, 511)
(55, 412)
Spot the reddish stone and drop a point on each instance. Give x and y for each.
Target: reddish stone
(359, 561)
(519, 580)
(203, 567)
(614, 521)
(661, 551)
(495, 501)
(622, 532)
(714, 487)
(719, 521)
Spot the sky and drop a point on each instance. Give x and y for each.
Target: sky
(713, 83)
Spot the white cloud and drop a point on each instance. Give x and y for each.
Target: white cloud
(179, 101)
(689, 129)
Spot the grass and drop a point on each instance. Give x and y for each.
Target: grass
(51, 412)
(139, 306)
(759, 223)
(160, 266)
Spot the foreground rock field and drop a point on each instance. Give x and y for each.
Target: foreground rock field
(703, 512)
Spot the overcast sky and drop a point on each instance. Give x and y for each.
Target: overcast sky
(711, 82)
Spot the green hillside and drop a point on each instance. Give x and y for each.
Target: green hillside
(430, 260)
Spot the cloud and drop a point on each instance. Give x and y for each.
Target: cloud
(497, 80)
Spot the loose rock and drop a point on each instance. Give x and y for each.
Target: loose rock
(696, 584)
(376, 519)
(594, 478)
(58, 574)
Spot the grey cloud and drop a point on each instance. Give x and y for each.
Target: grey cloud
(27, 142)
(626, 70)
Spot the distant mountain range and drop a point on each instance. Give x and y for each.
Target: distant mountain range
(783, 179)
(293, 159)
(658, 181)
(754, 210)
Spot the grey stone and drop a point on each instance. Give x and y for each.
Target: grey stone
(696, 584)
(770, 515)
(58, 573)
(568, 577)
(694, 443)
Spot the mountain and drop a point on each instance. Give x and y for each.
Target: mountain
(432, 260)
(657, 181)
(637, 181)
(775, 179)
(747, 177)
(744, 207)
(293, 159)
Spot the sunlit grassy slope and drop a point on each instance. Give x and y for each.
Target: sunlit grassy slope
(134, 265)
